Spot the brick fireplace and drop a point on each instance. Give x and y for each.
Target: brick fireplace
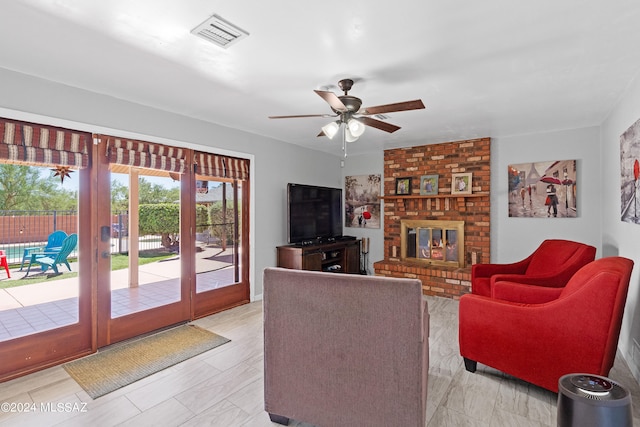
(410, 218)
(432, 242)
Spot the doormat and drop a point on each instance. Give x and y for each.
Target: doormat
(126, 363)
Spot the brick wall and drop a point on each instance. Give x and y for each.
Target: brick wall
(473, 156)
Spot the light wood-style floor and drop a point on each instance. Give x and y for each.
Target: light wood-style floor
(224, 387)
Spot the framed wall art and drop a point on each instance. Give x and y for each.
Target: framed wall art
(428, 185)
(630, 174)
(362, 201)
(403, 186)
(543, 189)
(461, 183)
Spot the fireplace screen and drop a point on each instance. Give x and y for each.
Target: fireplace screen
(433, 242)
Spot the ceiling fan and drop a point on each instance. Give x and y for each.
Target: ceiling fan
(349, 111)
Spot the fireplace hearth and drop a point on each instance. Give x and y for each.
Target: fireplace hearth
(432, 242)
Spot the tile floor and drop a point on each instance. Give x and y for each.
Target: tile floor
(224, 386)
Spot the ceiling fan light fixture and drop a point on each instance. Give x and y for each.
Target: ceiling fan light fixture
(355, 127)
(349, 136)
(331, 129)
(346, 107)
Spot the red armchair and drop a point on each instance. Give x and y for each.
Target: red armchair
(551, 265)
(539, 334)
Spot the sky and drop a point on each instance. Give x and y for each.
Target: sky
(71, 182)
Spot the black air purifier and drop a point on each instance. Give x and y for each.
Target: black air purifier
(586, 400)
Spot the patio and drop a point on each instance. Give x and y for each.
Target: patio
(38, 307)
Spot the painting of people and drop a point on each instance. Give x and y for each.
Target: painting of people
(545, 189)
(630, 174)
(362, 203)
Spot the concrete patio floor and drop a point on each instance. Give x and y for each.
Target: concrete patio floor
(38, 307)
(212, 259)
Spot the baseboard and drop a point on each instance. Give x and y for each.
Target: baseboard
(632, 361)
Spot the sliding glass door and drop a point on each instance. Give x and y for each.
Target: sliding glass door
(158, 235)
(45, 211)
(221, 251)
(143, 288)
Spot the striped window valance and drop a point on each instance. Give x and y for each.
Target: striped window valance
(145, 154)
(35, 144)
(219, 166)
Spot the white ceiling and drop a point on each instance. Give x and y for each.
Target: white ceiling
(482, 68)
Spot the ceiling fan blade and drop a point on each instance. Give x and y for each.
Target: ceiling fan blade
(390, 108)
(331, 99)
(379, 124)
(302, 116)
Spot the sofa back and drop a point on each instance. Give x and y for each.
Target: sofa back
(345, 349)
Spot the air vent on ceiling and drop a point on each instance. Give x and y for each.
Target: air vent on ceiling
(219, 31)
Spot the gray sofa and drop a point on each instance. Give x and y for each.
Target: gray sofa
(345, 350)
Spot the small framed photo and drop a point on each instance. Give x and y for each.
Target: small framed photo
(403, 186)
(461, 183)
(428, 185)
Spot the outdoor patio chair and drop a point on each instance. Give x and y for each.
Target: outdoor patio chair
(54, 242)
(4, 263)
(54, 258)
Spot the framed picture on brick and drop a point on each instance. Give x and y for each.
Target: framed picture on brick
(403, 186)
(428, 185)
(461, 183)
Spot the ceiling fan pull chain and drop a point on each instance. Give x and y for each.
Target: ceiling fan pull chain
(344, 140)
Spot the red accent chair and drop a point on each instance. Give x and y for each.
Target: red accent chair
(551, 265)
(539, 334)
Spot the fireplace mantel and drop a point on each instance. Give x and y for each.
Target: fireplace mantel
(420, 202)
(436, 196)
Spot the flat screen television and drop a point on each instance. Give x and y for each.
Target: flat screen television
(314, 213)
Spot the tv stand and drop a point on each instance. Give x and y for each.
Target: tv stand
(339, 256)
(316, 242)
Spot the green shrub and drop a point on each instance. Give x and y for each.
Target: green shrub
(163, 219)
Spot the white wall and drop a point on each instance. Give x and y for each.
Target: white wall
(367, 164)
(276, 166)
(622, 238)
(513, 239)
(274, 163)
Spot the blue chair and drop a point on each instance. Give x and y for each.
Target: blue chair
(54, 258)
(54, 242)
